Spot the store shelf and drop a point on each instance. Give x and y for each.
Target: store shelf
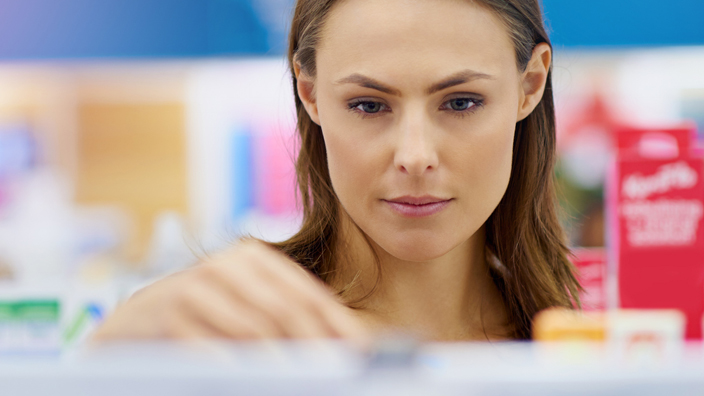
(334, 369)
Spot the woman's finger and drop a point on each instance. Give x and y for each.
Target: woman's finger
(262, 295)
(226, 316)
(183, 326)
(309, 291)
(290, 288)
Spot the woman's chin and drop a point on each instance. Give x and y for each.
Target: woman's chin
(419, 251)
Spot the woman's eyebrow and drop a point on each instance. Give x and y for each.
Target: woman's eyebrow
(368, 82)
(455, 79)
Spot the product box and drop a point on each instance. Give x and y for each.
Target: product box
(655, 208)
(646, 336)
(28, 326)
(559, 324)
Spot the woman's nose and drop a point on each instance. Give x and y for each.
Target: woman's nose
(415, 149)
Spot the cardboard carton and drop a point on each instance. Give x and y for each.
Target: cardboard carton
(655, 210)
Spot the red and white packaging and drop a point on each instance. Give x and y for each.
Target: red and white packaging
(591, 272)
(655, 210)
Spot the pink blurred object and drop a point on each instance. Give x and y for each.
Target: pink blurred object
(275, 153)
(591, 269)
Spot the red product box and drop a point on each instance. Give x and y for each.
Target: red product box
(655, 206)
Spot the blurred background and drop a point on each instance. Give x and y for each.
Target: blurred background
(138, 135)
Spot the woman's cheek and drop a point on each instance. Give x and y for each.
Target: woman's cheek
(351, 162)
(344, 170)
(353, 148)
(486, 164)
(502, 159)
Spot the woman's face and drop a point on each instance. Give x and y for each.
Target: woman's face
(418, 103)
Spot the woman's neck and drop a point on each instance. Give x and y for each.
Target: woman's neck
(452, 297)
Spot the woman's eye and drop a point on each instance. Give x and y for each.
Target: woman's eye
(459, 104)
(368, 107)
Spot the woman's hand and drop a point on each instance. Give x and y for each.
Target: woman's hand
(248, 292)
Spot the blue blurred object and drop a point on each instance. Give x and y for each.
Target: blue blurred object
(242, 173)
(622, 23)
(31, 29)
(46, 29)
(17, 150)
(95, 311)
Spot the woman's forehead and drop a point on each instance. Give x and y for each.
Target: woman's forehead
(412, 37)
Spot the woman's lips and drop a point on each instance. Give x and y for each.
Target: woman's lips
(417, 207)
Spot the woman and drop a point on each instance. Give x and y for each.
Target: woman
(427, 143)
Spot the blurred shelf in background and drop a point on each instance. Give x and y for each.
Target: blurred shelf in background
(50, 29)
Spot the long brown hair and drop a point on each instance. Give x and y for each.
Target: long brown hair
(523, 232)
